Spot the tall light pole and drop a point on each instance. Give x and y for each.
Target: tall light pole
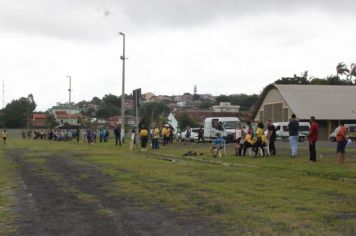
(70, 89)
(123, 58)
(70, 97)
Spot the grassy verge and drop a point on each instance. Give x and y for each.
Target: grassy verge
(7, 199)
(275, 195)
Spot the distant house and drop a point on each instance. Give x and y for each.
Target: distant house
(39, 120)
(114, 121)
(328, 103)
(85, 107)
(65, 113)
(147, 96)
(63, 117)
(160, 98)
(69, 109)
(226, 107)
(207, 97)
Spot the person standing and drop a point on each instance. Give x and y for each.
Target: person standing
(187, 135)
(341, 139)
(313, 137)
(155, 138)
(4, 136)
(144, 138)
(133, 139)
(117, 133)
(293, 128)
(271, 138)
(238, 137)
(78, 135)
(259, 141)
(201, 135)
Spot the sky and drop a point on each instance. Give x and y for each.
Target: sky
(222, 47)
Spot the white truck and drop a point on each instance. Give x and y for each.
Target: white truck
(225, 126)
(282, 131)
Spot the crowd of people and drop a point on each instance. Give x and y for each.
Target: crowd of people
(245, 138)
(85, 135)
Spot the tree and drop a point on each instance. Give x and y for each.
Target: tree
(17, 112)
(341, 69)
(246, 102)
(293, 80)
(51, 121)
(184, 120)
(96, 101)
(205, 104)
(335, 80)
(111, 100)
(110, 106)
(352, 72)
(152, 112)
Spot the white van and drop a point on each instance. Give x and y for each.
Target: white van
(351, 128)
(282, 131)
(225, 126)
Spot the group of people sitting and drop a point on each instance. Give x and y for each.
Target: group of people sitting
(246, 137)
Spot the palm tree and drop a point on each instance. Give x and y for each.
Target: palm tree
(352, 71)
(341, 69)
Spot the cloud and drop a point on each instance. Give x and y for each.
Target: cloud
(98, 19)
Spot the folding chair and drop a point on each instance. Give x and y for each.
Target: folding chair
(266, 150)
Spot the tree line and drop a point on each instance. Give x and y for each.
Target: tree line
(341, 71)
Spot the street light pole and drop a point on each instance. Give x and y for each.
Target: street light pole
(123, 58)
(70, 97)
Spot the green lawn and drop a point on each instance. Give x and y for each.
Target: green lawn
(275, 195)
(7, 191)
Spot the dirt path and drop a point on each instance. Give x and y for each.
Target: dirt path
(59, 195)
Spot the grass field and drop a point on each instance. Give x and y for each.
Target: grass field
(270, 195)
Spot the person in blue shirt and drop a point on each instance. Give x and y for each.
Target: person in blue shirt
(218, 144)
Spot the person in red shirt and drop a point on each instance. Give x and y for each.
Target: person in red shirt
(341, 139)
(313, 137)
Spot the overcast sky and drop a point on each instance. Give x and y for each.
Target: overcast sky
(224, 47)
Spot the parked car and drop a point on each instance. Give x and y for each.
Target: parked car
(193, 135)
(283, 133)
(351, 129)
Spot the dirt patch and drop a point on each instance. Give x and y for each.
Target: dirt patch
(70, 197)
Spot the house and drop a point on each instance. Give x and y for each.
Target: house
(39, 120)
(68, 108)
(147, 96)
(226, 107)
(206, 97)
(328, 103)
(114, 120)
(66, 113)
(63, 117)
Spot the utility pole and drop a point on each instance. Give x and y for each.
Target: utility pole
(123, 58)
(70, 97)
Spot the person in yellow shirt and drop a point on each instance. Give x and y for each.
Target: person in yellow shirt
(166, 135)
(144, 138)
(4, 135)
(259, 140)
(155, 140)
(249, 142)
